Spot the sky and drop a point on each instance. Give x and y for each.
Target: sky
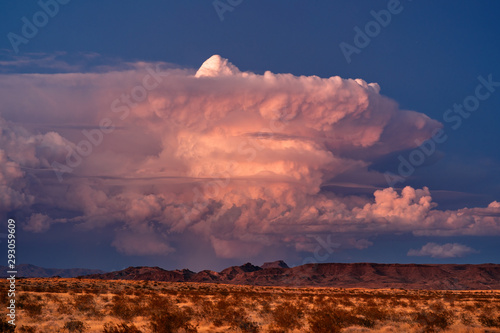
(206, 134)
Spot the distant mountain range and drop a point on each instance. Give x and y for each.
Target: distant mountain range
(356, 275)
(26, 270)
(277, 273)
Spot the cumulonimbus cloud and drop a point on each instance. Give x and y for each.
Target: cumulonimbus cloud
(236, 157)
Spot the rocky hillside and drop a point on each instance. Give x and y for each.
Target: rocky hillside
(357, 275)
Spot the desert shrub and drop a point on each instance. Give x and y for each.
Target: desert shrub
(75, 326)
(156, 304)
(330, 320)
(287, 316)
(4, 299)
(319, 299)
(469, 308)
(251, 304)
(371, 302)
(394, 302)
(92, 287)
(346, 301)
(266, 307)
(368, 315)
(64, 308)
(40, 288)
(466, 319)
(234, 317)
(189, 310)
(129, 292)
(435, 319)
(62, 287)
(26, 329)
(51, 297)
(171, 320)
(333, 302)
(248, 326)
(122, 308)
(5, 327)
(22, 299)
(34, 309)
(85, 304)
(488, 319)
(206, 309)
(478, 305)
(120, 328)
(224, 312)
(373, 312)
(195, 298)
(139, 293)
(33, 305)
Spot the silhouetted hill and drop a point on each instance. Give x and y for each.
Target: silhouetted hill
(26, 270)
(275, 264)
(146, 273)
(357, 275)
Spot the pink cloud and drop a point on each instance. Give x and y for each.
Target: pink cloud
(235, 157)
(38, 223)
(449, 250)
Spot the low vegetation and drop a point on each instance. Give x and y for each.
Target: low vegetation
(81, 305)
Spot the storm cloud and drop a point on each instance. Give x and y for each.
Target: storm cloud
(238, 158)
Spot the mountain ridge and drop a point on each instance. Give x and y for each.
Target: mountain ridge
(28, 271)
(344, 275)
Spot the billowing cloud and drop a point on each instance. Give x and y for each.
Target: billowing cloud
(21, 151)
(235, 157)
(413, 210)
(38, 223)
(449, 250)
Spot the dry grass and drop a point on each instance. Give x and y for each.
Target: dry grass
(80, 305)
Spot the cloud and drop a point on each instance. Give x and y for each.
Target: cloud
(449, 250)
(216, 66)
(237, 158)
(21, 151)
(38, 223)
(141, 244)
(413, 211)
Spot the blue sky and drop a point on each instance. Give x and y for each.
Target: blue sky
(427, 59)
